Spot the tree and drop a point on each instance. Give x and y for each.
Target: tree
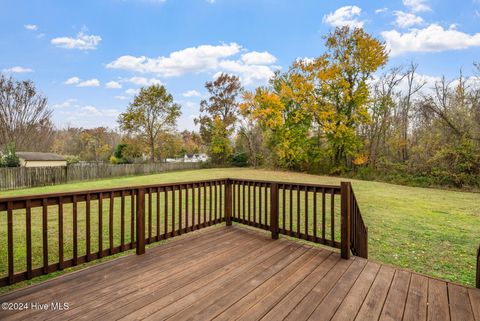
(192, 142)
(152, 112)
(170, 145)
(221, 105)
(220, 148)
(336, 86)
(25, 118)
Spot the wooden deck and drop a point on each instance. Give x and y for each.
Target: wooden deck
(232, 273)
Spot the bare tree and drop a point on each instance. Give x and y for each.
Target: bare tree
(25, 118)
(414, 86)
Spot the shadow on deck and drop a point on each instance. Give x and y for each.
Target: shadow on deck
(234, 273)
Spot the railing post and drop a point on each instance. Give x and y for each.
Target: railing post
(478, 268)
(274, 210)
(140, 221)
(345, 189)
(228, 202)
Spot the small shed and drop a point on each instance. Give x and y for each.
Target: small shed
(34, 159)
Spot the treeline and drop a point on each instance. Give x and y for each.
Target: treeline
(339, 114)
(147, 129)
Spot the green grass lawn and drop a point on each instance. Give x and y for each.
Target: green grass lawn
(431, 231)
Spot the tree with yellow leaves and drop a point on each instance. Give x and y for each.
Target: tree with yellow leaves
(321, 102)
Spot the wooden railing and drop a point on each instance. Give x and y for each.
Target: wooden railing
(46, 233)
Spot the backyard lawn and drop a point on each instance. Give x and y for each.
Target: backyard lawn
(431, 231)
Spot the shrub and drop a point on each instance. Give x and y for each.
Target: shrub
(9, 157)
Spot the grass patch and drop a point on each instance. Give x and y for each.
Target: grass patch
(431, 231)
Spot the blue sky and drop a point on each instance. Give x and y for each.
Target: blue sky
(90, 57)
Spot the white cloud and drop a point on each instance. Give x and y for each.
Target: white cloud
(191, 93)
(251, 67)
(132, 91)
(249, 74)
(31, 27)
(194, 59)
(72, 81)
(82, 42)
(417, 5)
(66, 104)
(121, 97)
(405, 20)
(84, 115)
(210, 1)
(344, 16)
(142, 81)
(89, 83)
(433, 38)
(381, 10)
(17, 70)
(258, 58)
(113, 85)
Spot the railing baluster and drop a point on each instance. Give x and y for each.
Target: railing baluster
(199, 205)
(210, 203)
(315, 214)
(194, 226)
(110, 221)
(266, 205)
(290, 232)
(332, 214)
(173, 211)
(11, 268)
(324, 207)
(132, 217)
(87, 229)
(165, 214)
(243, 202)
(29, 238)
(255, 204)
(220, 196)
(60, 233)
(150, 215)
(75, 230)
(478, 269)
(284, 210)
(45, 234)
(122, 222)
(298, 211)
(100, 225)
(187, 227)
(249, 203)
(260, 202)
(158, 214)
(204, 204)
(216, 201)
(306, 213)
(180, 214)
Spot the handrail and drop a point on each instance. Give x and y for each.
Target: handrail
(324, 214)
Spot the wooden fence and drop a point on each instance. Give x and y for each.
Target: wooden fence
(25, 177)
(46, 233)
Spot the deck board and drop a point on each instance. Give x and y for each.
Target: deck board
(234, 273)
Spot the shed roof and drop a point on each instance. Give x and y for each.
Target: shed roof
(34, 156)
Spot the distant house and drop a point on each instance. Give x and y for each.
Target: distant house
(195, 158)
(34, 159)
